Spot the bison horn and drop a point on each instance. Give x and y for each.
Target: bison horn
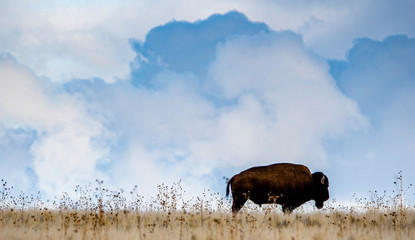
(323, 180)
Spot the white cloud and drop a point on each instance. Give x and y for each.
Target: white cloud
(286, 95)
(329, 27)
(283, 105)
(69, 141)
(266, 99)
(86, 39)
(379, 75)
(63, 40)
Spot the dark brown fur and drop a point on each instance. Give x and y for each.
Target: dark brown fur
(287, 184)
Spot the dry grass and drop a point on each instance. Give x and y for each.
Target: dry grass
(46, 224)
(104, 214)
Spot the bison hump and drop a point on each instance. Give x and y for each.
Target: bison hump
(281, 176)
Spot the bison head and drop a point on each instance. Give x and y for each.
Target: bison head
(320, 186)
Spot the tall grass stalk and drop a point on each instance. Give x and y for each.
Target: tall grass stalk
(100, 213)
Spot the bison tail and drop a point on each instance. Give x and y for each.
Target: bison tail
(227, 187)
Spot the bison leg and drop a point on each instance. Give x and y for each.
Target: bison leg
(288, 209)
(238, 202)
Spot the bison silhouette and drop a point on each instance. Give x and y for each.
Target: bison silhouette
(289, 185)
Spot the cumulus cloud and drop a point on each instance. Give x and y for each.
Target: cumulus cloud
(63, 40)
(291, 89)
(250, 96)
(210, 101)
(379, 75)
(187, 47)
(264, 98)
(195, 110)
(65, 142)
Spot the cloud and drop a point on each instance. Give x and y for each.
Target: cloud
(195, 110)
(264, 98)
(57, 133)
(379, 75)
(62, 41)
(330, 28)
(273, 76)
(65, 40)
(187, 47)
(155, 130)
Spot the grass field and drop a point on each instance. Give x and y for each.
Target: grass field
(103, 214)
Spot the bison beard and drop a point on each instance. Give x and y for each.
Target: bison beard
(287, 184)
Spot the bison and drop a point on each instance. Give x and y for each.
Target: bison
(287, 184)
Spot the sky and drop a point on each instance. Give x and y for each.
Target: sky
(150, 92)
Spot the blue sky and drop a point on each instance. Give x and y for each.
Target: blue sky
(152, 92)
